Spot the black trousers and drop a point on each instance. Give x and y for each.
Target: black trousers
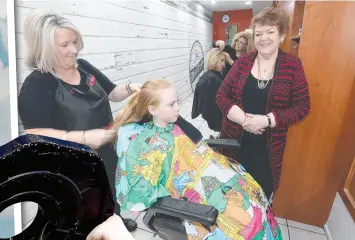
(255, 159)
(110, 159)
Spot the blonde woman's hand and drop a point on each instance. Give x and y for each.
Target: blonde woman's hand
(226, 55)
(221, 44)
(228, 58)
(135, 87)
(112, 229)
(97, 137)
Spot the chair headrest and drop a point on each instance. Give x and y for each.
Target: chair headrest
(66, 179)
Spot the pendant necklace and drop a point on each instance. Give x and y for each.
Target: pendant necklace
(262, 83)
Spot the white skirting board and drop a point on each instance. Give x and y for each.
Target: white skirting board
(327, 232)
(340, 225)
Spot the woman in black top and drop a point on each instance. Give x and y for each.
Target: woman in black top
(205, 94)
(242, 43)
(65, 97)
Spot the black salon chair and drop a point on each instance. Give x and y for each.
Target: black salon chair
(67, 180)
(70, 185)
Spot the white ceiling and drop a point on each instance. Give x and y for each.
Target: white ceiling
(220, 5)
(260, 5)
(225, 5)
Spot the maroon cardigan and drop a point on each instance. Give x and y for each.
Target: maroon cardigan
(288, 100)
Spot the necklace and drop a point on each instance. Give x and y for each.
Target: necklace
(262, 83)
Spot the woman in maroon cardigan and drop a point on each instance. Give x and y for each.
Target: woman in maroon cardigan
(264, 92)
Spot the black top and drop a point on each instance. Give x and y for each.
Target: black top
(190, 130)
(48, 102)
(36, 103)
(253, 154)
(205, 99)
(254, 102)
(231, 51)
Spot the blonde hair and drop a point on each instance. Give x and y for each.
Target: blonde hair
(273, 17)
(39, 30)
(137, 108)
(248, 37)
(212, 58)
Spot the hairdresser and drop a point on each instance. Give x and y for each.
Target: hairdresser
(65, 97)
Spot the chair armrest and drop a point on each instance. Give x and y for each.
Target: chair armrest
(223, 143)
(204, 214)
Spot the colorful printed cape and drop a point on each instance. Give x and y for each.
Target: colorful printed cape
(157, 162)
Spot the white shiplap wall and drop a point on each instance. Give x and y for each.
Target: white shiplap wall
(128, 40)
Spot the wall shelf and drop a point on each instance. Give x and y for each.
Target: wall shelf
(296, 38)
(295, 11)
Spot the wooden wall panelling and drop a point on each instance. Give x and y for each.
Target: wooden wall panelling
(295, 11)
(297, 22)
(327, 51)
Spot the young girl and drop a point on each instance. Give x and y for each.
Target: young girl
(157, 159)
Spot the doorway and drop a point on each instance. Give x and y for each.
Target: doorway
(231, 31)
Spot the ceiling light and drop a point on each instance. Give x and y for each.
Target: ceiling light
(213, 1)
(247, 3)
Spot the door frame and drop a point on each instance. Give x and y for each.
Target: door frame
(344, 192)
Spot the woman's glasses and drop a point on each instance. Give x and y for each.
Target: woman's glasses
(240, 42)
